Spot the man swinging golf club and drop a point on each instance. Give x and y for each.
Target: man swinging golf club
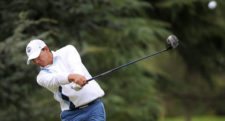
(58, 71)
(63, 73)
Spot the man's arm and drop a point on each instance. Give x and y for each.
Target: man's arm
(74, 61)
(52, 80)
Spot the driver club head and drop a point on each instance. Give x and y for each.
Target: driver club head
(172, 40)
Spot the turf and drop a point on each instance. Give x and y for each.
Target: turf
(200, 118)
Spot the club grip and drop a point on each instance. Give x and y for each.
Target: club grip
(78, 87)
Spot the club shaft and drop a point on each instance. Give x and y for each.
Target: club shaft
(129, 63)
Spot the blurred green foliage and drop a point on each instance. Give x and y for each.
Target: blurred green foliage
(199, 118)
(186, 81)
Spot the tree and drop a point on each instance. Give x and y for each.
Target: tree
(200, 55)
(99, 29)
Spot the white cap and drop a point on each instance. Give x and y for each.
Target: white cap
(34, 48)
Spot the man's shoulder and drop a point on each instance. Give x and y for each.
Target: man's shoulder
(65, 49)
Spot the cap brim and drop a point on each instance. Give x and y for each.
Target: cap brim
(33, 56)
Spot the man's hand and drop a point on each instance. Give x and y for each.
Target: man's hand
(78, 79)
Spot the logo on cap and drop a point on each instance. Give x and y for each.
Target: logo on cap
(28, 49)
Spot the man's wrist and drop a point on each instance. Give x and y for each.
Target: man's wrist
(70, 78)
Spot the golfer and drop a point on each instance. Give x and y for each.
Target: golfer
(58, 71)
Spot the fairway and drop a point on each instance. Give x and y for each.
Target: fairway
(200, 118)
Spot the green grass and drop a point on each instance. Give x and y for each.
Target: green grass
(199, 118)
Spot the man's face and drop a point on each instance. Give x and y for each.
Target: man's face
(44, 59)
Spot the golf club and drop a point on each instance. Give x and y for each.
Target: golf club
(172, 42)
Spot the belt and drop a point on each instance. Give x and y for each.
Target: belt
(86, 105)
